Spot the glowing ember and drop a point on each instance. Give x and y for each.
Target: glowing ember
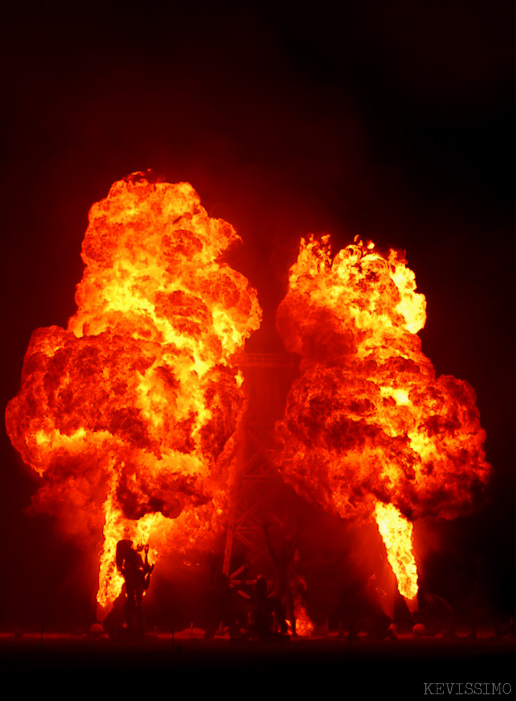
(369, 430)
(304, 626)
(129, 415)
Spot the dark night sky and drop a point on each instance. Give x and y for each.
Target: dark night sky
(389, 120)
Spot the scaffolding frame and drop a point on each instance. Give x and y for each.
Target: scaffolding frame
(257, 479)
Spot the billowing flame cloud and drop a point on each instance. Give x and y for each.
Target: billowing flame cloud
(369, 430)
(129, 414)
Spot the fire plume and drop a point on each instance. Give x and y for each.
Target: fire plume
(129, 414)
(396, 532)
(369, 430)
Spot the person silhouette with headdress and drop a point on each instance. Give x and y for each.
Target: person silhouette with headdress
(136, 573)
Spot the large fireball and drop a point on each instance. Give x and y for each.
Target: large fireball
(369, 430)
(129, 414)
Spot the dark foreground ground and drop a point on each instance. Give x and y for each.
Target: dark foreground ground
(166, 665)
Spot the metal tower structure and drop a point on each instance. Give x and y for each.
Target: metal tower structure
(258, 486)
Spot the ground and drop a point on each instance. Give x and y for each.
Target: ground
(409, 667)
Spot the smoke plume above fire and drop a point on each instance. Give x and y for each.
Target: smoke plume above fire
(369, 430)
(130, 413)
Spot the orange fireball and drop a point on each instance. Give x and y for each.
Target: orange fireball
(369, 430)
(129, 414)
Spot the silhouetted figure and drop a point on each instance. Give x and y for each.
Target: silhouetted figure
(437, 616)
(225, 609)
(369, 618)
(136, 573)
(262, 612)
(288, 581)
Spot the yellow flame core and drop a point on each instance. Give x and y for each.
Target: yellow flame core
(396, 532)
(304, 626)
